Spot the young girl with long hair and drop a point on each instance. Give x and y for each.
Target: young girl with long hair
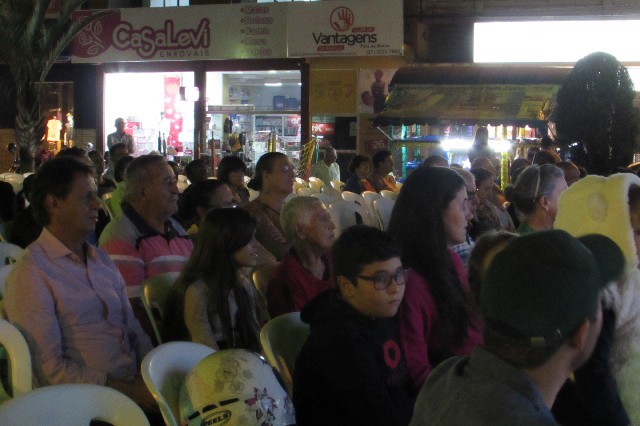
(213, 302)
(437, 319)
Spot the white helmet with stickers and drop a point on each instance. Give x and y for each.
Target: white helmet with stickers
(234, 387)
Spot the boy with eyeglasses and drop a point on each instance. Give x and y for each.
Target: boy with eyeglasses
(351, 370)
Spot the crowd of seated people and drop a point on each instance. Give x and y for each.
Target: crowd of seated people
(402, 331)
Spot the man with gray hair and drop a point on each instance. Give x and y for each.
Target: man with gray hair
(327, 169)
(145, 240)
(119, 136)
(305, 271)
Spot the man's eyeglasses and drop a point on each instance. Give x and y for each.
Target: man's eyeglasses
(382, 280)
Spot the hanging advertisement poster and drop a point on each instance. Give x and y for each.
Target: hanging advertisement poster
(242, 31)
(183, 33)
(345, 28)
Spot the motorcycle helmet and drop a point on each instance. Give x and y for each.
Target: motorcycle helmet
(234, 387)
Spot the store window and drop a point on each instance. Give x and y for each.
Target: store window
(57, 107)
(252, 112)
(158, 108)
(168, 3)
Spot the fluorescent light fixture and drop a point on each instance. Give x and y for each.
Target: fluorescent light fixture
(457, 144)
(273, 83)
(554, 41)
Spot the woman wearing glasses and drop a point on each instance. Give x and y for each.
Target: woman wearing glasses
(535, 196)
(436, 316)
(274, 179)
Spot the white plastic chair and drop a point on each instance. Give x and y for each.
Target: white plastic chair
(253, 194)
(14, 179)
(389, 194)
(315, 182)
(282, 339)
(182, 183)
(72, 404)
(332, 192)
(359, 199)
(165, 368)
(307, 191)
(345, 214)
(19, 359)
(337, 184)
(154, 292)
(10, 253)
(383, 208)
(4, 273)
(369, 198)
(324, 198)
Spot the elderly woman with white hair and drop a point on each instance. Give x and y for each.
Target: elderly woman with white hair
(305, 270)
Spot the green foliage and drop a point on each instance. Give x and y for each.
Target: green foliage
(30, 45)
(595, 111)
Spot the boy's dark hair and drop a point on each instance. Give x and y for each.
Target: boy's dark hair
(121, 168)
(55, 177)
(228, 165)
(379, 157)
(359, 246)
(356, 162)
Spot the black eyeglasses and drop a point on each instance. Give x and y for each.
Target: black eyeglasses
(382, 280)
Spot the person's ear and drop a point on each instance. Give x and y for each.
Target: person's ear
(300, 231)
(52, 204)
(347, 288)
(579, 338)
(544, 202)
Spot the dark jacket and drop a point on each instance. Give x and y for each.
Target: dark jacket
(351, 370)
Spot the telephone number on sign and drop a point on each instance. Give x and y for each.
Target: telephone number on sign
(377, 51)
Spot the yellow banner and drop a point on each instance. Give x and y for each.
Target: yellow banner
(333, 91)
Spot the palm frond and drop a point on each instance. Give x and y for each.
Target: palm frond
(57, 28)
(52, 52)
(35, 21)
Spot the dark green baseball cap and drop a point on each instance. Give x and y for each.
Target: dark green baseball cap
(542, 286)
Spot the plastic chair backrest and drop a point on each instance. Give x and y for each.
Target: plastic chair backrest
(261, 276)
(4, 273)
(19, 358)
(154, 292)
(324, 198)
(389, 194)
(369, 198)
(253, 194)
(14, 179)
(337, 184)
(72, 404)
(334, 193)
(282, 339)
(317, 183)
(307, 191)
(165, 368)
(359, 199)
(345, 214)
(10, 253)
(384, 207)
